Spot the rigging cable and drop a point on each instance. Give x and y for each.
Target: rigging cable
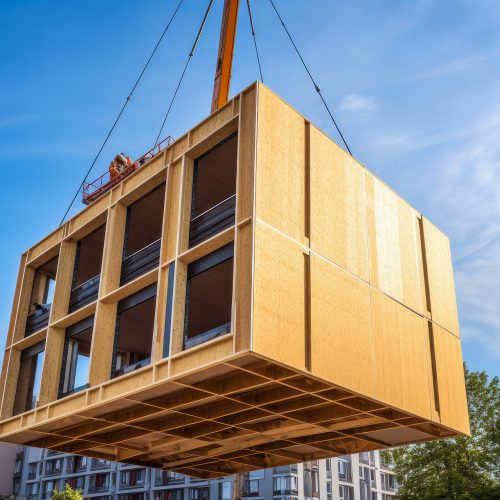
(127, 100)
(318, 90)
(184, 71)
(254, 40)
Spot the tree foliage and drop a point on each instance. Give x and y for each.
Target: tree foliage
(67, 494)
(465, 467)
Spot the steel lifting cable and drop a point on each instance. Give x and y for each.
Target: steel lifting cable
(184, 70)
(254, 40)
(318, 90)
(127, 100)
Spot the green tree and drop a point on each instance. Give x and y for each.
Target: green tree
(68, 494)
(465, 467)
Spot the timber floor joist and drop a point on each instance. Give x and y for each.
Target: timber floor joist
(240, 415)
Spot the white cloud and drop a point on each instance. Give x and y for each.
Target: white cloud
(457, 65)
(468, 204)
(358, 102)
(412, 141)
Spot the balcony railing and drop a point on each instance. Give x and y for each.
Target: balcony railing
(84, 294)
(97, 489)
(93, 190)
(167, 477)
(213, 221)
(140, 262)
(37, 320)
(131, 368)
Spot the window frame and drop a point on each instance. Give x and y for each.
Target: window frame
(30, 352)
(73, 331)
(229, 212)
(124, 305)
(194, 269)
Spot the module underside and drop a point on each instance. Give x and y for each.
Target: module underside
(240, 415)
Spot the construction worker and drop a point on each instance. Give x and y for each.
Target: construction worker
(114, 170)
(118, 165)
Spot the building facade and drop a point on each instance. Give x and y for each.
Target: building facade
(249, 297)
(363, 476)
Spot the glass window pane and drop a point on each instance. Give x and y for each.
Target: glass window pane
(134, 337)
(28, 382)
(210, 299)
(144, 221)
(75, 367)
(215, 176)
(89, 257)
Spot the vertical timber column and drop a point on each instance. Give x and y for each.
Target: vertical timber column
(244, 227)
(168, 255)
(20, 314)
(12, 363)
(64, 280)
(54, 345)
(180, 281)
(167, 260)
(105, 316)
(10, 367)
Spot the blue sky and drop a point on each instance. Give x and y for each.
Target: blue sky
(414, 86)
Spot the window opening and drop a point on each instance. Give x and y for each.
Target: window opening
(132, 478)
(42, 294)
(209, 297)
(76, 357)
(141, 250)
(170, 495)
(134, 331)
(199, 494)
(28, 382)
(87, 270)
(168, 313)
(98, 482)
(346, 492)
(345, 472)
(214, 191)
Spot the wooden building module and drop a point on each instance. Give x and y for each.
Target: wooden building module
(250, 297)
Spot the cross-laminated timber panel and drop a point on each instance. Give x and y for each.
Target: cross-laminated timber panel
(343, 336)
(364, 279)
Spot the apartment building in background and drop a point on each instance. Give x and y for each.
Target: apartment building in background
(363, 476)
(8, 454)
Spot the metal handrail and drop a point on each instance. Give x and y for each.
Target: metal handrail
(91, 191)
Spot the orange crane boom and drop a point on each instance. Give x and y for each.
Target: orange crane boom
(225, 55)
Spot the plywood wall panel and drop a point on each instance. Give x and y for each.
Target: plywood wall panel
(441, 281)
(246, 155)
(385, 252)
(12, 362)
(172, 201)
(46, 245)
(410, 266)
(243, 287)
(211, 124)
(281, 174)
(450, 380)
(341, 346)
(393, 244)
(103, 338)
(338, 205)
(64, 279)
(279, 298)
(51, 371)
(401, 360)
